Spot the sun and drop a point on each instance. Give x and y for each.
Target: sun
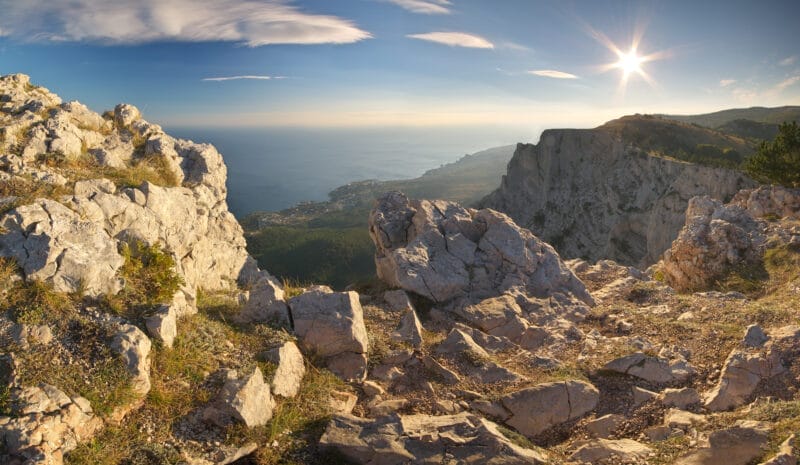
(630, 62)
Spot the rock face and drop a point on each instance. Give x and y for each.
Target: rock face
(73, 241)
(331, 325)
(443, 251)
(420, 439)
(592, 196)
(47, 424)
(534, 410)
(718, 237)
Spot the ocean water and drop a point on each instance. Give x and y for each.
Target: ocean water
(272, 169)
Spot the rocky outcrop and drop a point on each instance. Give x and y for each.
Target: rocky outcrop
(718, 238)
(46, 425)
(331, 325)
(73, 241)
(444, 252)
(593, 196)
(421, 439)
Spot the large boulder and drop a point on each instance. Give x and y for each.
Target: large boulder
(442, 251)
(331, 325)
(421, 439)
(534, 410)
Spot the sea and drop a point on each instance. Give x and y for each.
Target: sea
(270, 169)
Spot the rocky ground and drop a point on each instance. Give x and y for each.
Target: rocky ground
(136, 330)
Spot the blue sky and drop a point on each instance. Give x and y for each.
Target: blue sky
(404, 62)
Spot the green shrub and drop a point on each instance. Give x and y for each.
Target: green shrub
(778, 161)
(150, 280)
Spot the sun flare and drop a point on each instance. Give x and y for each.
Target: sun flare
(630, 62)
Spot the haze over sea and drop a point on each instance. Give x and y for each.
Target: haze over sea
(271, 169)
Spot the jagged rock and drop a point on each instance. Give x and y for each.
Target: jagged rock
(125, 115)
(410, 329)
(618, 451)
(53, 243)
(372, 389)
(245, 399)
(747, 366)
(680, 398)
(264, 302)
(398, 300)
(460, 345)
(290, 371)
(386, 407)
(641, 395)
(649, 368)
(46, 425)
(24, 335)
(133, 346)
(163, 325)
(618, 202)
(445, 375)
(733, 446)
(534, 410)
(785, 455)
(763, 201)
(331, 325)
(675, 418)
(754, 336)
(491, 409)
(604, 426)
(420, 439)
(716, 238)
(442, 251)
(342, 402)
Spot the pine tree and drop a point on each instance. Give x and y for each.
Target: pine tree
(778, 161)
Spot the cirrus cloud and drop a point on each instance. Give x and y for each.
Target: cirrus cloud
(551, 73)
(250, 22)
(454, 39)
(245, 76)
(426, 7)
(726, 82)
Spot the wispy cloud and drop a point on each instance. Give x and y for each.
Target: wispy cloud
(246, 76)
(454, 39)
(250, 22)
(426, 7)
(726, 82)
(515, 46)
(551, 73)
(788, 82)
(788, 61)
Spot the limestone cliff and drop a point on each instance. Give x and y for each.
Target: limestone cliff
(592, 195)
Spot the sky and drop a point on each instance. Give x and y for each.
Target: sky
(363, 63)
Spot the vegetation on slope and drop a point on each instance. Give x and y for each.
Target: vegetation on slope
(778, 161)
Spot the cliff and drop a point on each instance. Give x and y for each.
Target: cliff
(593, 195)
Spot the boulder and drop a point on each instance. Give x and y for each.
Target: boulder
(163, 325)
(244, 399)
(649, 368)
(264, 302)
(738, 445)
(409, 330)
(443, 252)
(331, 325)
(482, 368)
(398, 300)
(680, 398)
(617, 451)
(747, 366)
(463, 438)
(290, 371)
(134, 348)
(536, 409)
(604, 426)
